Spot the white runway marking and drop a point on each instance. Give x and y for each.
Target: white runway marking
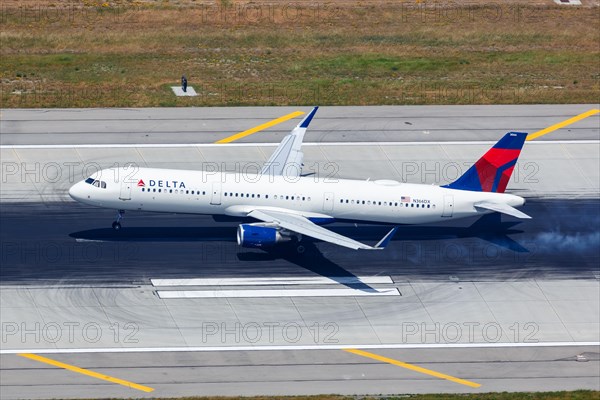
(196, 294)
(179, 145)
(293, 347)
(316, 280)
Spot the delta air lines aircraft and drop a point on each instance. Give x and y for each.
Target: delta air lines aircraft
(287, 205)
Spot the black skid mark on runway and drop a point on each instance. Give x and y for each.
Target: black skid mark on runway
(562, 240)
(491, 228)
(488, 227)
(158, 234)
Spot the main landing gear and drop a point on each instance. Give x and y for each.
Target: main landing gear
(297, 243)
(117, 224)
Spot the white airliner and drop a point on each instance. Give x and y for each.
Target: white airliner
(288, 205)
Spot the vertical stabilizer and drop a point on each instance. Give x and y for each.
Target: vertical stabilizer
(492, 171)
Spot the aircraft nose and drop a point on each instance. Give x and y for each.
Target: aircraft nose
(76, 191)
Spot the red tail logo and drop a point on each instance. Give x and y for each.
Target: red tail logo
(491, 172)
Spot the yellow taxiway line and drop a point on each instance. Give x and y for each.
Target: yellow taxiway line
(295, 114)
(412, 367)
(93, 374)
(562, 124)
(260, 127)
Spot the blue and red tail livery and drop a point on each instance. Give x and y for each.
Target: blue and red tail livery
(492, 171)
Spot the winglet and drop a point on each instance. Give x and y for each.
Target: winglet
(304, 123)
(386, 239)
(287, 158)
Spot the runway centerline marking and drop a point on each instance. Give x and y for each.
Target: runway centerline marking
(412, 367)
(260, 127)
(93, 374)
(562, 124)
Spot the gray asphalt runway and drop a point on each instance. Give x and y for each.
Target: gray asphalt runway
(62, 266)
(305, 372)
(332, 124)
(71, 242)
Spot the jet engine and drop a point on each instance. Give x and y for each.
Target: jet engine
(261, 235)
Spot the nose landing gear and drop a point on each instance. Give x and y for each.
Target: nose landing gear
(117, 224)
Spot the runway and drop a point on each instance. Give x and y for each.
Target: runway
(332, 124)
(69, 242)
(172, 303)
(305, 372)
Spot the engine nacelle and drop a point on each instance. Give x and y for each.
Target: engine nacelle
(259, 235)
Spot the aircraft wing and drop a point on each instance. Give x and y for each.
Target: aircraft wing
(299, 224)
(502, 208)
(287, 158)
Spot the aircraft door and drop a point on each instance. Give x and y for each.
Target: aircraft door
(448, 205)
(328, 202)
(216, 193)
(125, 193)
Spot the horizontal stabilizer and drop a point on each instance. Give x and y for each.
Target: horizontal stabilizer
(502, 208)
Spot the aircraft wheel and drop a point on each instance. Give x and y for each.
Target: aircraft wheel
(300, 249)
(116, 226)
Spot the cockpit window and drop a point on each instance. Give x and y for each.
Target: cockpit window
(98, 184)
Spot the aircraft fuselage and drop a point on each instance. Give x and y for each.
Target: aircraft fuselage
(320, 199)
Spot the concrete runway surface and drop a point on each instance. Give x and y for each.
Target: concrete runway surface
(173, 304)
(331, 124)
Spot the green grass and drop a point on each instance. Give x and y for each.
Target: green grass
(374, 65)
(363, 54)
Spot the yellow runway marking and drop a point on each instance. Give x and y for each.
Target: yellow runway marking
(86, 372)
(412, 367)
(562, 124)
(260, 127)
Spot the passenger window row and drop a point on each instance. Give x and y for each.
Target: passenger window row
(266, 196)
(227, 194)
(385, 203)
(176, 191)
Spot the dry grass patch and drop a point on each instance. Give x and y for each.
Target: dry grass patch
(128, 53)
